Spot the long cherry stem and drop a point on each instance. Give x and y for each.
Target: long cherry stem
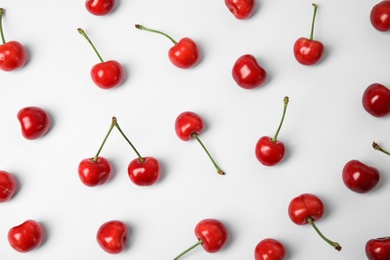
(313, 21)
(330, 242)
(379, 148)
(285, 101)
(82, 32)
(208, 154)
(141, 27)
(189, 249)
(1, 25)
(104, 141)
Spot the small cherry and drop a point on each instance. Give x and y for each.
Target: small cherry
(105, 74)
(359, 177)
(8, 186)
(99, 7)
(270, 249)
(269, 151)
(184, 54)
(309, 51)
(376, 100)
(212, 234)
(34, 121)
(380, 16)
(189, 125)
(112, 236)
(378, 248)
(26, 236)
(307, 208)
(376, 146)
(241, 9)
(247, 72)
(12, 54)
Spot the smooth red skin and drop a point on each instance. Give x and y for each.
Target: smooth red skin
(308, 52)
(8, 186)
(241, 9)
(213, 233)
(34, 121)
(304, 206)
(144, 173)
(12, 56)
(99, 7)
(187, 124)
(376, 100)
(378, 248)
(184, 54)
(247, 72)
(108, 74)
(380, 16)
(26, 236)
(360, 177)
(112, 236)
(270, 249)
(94, 173)
(268, 152)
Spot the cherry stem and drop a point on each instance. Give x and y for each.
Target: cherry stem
(330, 242)
(379, 148)
(285, 100)
(141, 27)
(1, 25)
(104, 141)
(312, 23)
(82, 32)
(189, 249)
(194, 135)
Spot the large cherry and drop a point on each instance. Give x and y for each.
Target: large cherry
(34, 121)
(308, 51)
(360, 177)
(26, 236)
(307, 208)
(376, 100)
(212, 234)
(269, 151)
(241, 9)
(270, 249)
(378, 248)
(105, 74)
(184, 54)
(380, 16)
(112, 236)
(99, 7)
(247, 72)
(8, 186)
(189, 125)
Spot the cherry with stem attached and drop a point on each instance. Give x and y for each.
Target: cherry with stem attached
(376, 146)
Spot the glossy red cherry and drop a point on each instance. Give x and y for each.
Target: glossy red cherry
(309, 51)
(247, 72)
(94, 171)
(112, 236)
(145, 172)
(26, 236)
(359, 177)
(376, 100)
(106, 74)
(99, 7)
(307, 208)
(378, 248)
(241, 9)
(34, 121)
(184, 54)
(8, 186)
(380, 16)
(270, 249)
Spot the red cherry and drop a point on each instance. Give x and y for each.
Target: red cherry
(112, 236)
(378, 248)
(247, 72)
(380, 16)
(270, 249)
(26, 236)
(269, 151)
(145, 172)
(309, 51)
(184, 54)
(189, 125)
(376, 100)
(241, 9)
(307, 208)
(8, 186)
(360, 177)
(99, 7)
(94, 171)
(34, 121)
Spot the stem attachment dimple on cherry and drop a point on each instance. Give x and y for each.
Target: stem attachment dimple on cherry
(82, 32)
(189, 249)
(141, 27)
(285, 101)
(219, 171)
(313, 21)
(1, 25)
(379, 148)
(335, 245)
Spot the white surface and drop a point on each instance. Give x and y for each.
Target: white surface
(325, 126)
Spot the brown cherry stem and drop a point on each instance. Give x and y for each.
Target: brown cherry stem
(379, 148)
(285, 101)
(1, 25)
(189, 249)
(82, 32)
(330, 242)
(313, 21)
(141, 27)
(208, 154)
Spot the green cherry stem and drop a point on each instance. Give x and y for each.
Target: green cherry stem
(104, 141)
(189, 249)
(379, 148)
(141, 27)
(1, 25)
(194, 135)
(82, 32)
(330, 242)
(285, 101)
(313, 21)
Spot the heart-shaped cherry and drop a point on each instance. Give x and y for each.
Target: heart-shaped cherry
(189, 125)
(378, 248)
(8, 186)
(34, 121)
(212, 234)
(376, 100)
(307, 208)
(359, 177)
(376, 146)
(380, 16)
(12, 54)
(309, 51)
(26, 236)
(184, 54)
(112, 236)
(270, 249)
(105, 74)
(247, 72)
(99, 7)
(269, 151)
(241, 9)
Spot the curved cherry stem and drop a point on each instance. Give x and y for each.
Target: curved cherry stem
(313, 21)
(330, 242)
(285, 100)
(208, 154)
(189, 249)
(141, 27)
(379, 148)
(104, 141)
(82, 32)
(1, 25)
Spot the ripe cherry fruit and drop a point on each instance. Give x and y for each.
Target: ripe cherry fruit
(34, 121)
(8, 186)
(376, 100)
(360, 177)
(241, 9)
(184, 54)
(99, 7)
(309, 51)
(112, 236)
(380, 16)
(270, 249)
(378, 248)
(26, 236)
(247, 72)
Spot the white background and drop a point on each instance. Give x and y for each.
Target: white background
(325, 126)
